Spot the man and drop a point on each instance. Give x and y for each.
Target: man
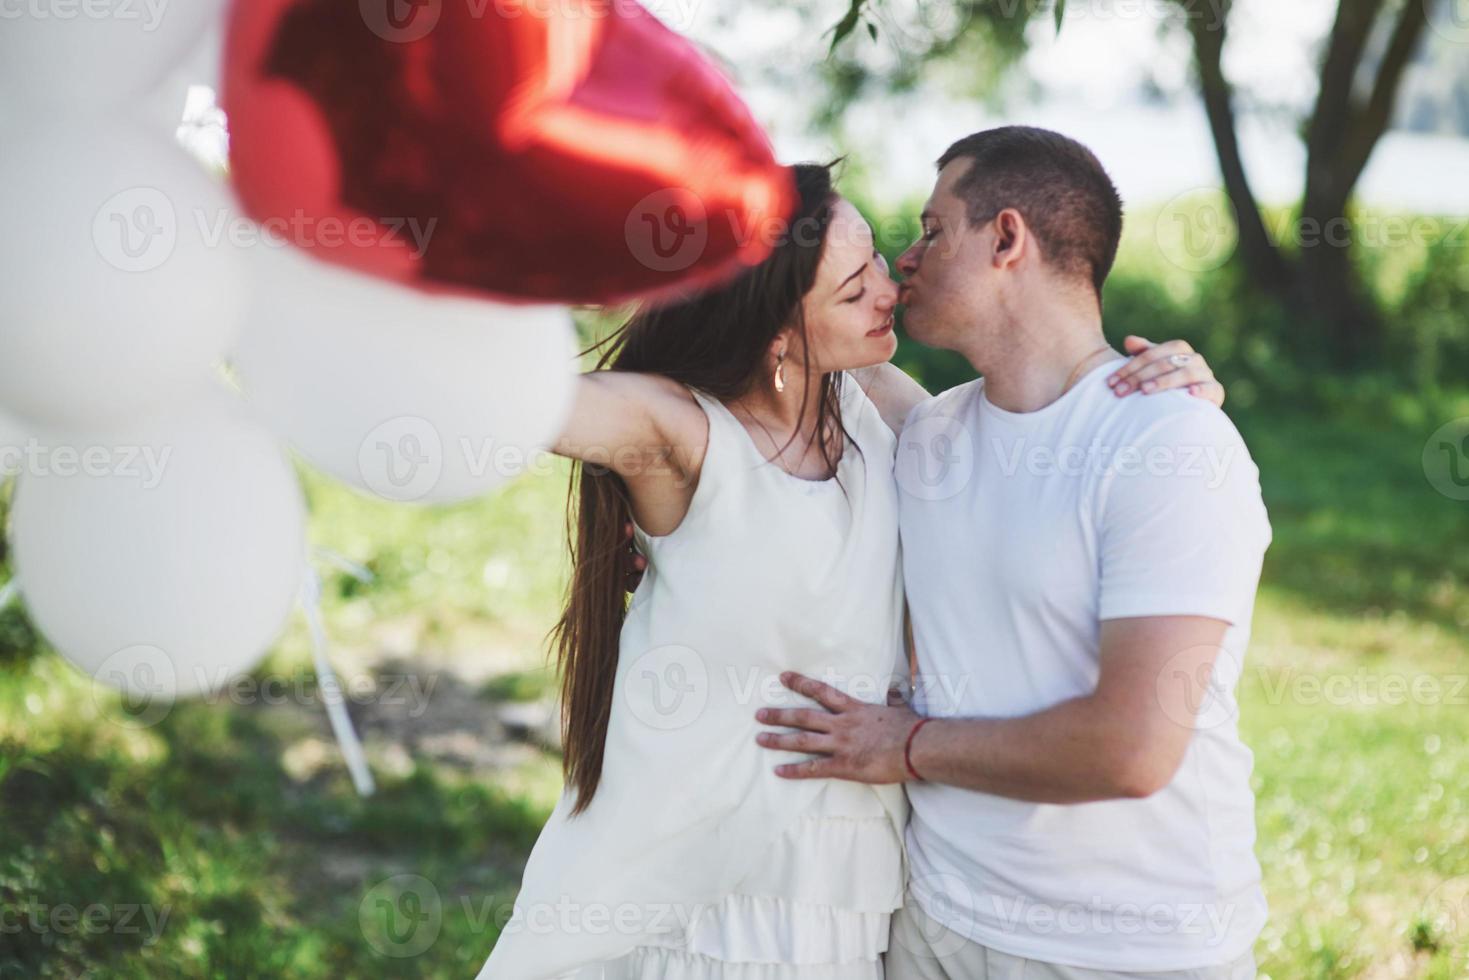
(1081, 572)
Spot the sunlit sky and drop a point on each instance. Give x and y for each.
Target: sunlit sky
(1089, 82)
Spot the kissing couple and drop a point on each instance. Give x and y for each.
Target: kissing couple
(768, 777)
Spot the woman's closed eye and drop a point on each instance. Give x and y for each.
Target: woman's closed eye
(882, 265)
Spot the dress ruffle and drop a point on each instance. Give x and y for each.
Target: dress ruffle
(652, 963)
(749, 929)
(849, 861)
(846, 866)
(819, 904)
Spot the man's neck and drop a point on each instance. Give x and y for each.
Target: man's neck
(1040, 358)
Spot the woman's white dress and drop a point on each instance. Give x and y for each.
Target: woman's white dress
(694, 860)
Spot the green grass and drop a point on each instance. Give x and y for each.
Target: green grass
(244, 871)
(1355, 701)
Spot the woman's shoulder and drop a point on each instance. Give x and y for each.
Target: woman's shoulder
(669, 404)
(677, 411)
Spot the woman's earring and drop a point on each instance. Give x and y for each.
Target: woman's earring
(780, 372)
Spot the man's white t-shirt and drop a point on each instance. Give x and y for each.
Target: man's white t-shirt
(1022, 532)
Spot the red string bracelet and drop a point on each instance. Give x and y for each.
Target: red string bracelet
(908, 748)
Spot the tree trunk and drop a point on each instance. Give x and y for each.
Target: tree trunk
(1339, 142)
(1331, 294)
(1262, 260)
(1332, 117)
(1322, 285)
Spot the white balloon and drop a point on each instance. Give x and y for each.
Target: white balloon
(122, 288)
(162, 558)
(163, 109)
(410, 397)
(86, 54)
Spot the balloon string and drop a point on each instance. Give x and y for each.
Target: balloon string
(8, 592)
(331, 691)
(341, 562)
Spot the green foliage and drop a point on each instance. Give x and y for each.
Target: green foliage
(970, 45)
(18, 640)
(847, 24)
(522, 685)
(1431, 339)
(498, 558)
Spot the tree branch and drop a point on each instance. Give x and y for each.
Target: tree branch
(846, 25)
(1368, 126)
(1331, 118)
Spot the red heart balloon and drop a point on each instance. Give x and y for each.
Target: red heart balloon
(574, 151)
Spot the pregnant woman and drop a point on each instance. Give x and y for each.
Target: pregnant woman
(748, 432)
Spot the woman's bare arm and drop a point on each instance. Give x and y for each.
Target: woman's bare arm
(892, 391)
(648, 430)
(626, 421)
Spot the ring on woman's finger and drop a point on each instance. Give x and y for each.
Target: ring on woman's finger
(1179, 360)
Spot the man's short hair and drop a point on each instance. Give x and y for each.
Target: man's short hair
(1056, 184)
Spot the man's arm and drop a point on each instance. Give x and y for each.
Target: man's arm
(1125, 740)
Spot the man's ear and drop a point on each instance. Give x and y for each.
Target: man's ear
(1011, 236)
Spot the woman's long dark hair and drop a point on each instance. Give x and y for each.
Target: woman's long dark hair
(716, 341)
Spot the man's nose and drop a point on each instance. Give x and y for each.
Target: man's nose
(908, 261)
